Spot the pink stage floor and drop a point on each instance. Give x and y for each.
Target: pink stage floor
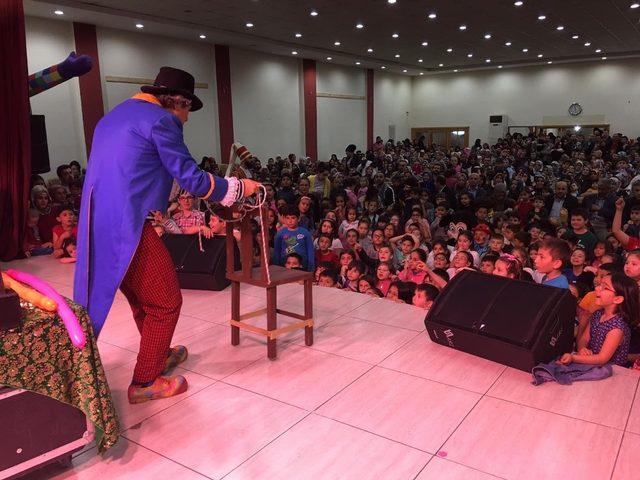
(373, 398)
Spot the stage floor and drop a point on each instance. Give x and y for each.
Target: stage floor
(372, 398)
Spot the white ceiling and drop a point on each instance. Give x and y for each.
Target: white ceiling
(610, 26)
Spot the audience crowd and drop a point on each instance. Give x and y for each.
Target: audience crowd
(402, 219)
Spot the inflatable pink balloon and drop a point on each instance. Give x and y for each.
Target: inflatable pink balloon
(66, 314)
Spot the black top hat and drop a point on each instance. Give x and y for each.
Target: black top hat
(173, 81)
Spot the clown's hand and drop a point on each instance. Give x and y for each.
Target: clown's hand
(250, 187)
(75, 65)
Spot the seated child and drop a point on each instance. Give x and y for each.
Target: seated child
(328, 278)
(293, 239)
(424, 296)
(365, 282)
(354, 271)
(488, 262)
(496, 243)
(69, 251)
(293, 261)
(324, 253)
(66, 229)
(346, 257)
(385, 274)
(403, 249)
(576, 272)
(462, 259)
(552, 255)
(441, 261)
(608, 336)
(440, 246)
(33, 245)
(508, 266)
(411, 271)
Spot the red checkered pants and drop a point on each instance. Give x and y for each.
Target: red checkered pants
(151, 287)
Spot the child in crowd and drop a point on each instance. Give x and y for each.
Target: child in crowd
(552, 256)
(496, 243)
(353, 273)
(632, 227)
(324, 252)
(440, 261)
(305, 217)
(424, 296)
(440, 246)
(385, 274)
(576, 272)
(461, 260)
(33, 242)
(365, 283)
(601, 249)
(328, 278)
(464, 244)
(69, 251)
(412, 271)
(488, 263)
(293, 261)
(66, 229)
(402, 249)
(632, 266)
(293, 239)
(508, 266)
(327, 227)
(609, 334)
(586, 239)
(350, 222)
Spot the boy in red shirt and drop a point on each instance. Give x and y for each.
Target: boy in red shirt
(65, 229)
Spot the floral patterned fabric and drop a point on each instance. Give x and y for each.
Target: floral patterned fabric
(40, 358)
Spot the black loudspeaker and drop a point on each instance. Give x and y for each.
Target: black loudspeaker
(39, 147)
(37, 430)
(516, 323)
(200, 270)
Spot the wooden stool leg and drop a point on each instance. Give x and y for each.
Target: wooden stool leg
(272, 322)
(235, 312)
(308, 311)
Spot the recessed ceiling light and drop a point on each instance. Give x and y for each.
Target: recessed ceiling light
(419, 60)
(337, 44)
(488, 60)
(539, 55)
(357, 63)
(449, 50)
(604, 58)
(587, 44)
(391, 1)
(203, 36)
(508, 44)
(298, 35)
(462, 27)
(294, 53)
(525, 50)
(634, 5)
(499, 66)
(329, 58)
(441, 64)
(575, 37)
(249, 25)
(549, 62)
(424, 44)
(469, 55)
(313, 13)
(518, 3)
(395, 35)
(359, 25)
(383, 67)
(560, 27)
(421, 73)
(397, 55)
(599, 50)
(487, 36)
(542, 17)
(432, 16)
(139, 25)
(404, 71)
(455, 71)
(58, 12)
(369, 50)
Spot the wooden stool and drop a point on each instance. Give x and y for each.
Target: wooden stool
(258, 277)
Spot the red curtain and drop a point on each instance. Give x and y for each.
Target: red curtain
(15, 143)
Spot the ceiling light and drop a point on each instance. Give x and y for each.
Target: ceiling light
(560, 27)
(499, 66)
(139, 25)
(634, 5)
(203, 36)
(369, 50)
(424, 44)
(577, 128)
(359, 25)
(487, 36)
(249, 25)
(421, 73)
(449, 50)
(518, 3)
(462, 27)
(294, 53)
(357, 63)
(539, 55)
(575, 37)
(469, 55)
(455, 71)
(508, 44)
(58, 12)
(549, 62)
(432, 16)
(419, 60)
(604, 58)
(298, 35)
(337, 44)
(395, 35)
(313, 13)
(383, 67)
(397, 55)
(391, 1)
(404, 71)
(525, 50)
(488, 60)
(441, 64)
(329, 58)
(587, 44)
(542, 17)
(599, 50)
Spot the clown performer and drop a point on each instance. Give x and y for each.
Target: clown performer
(138, 149)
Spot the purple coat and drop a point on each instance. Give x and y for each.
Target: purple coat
(138, 149)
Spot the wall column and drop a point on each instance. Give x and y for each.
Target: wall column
(225, 106)
(310, 109)
(90, 83)
(369, 141)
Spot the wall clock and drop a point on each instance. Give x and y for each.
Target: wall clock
(575, 109)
